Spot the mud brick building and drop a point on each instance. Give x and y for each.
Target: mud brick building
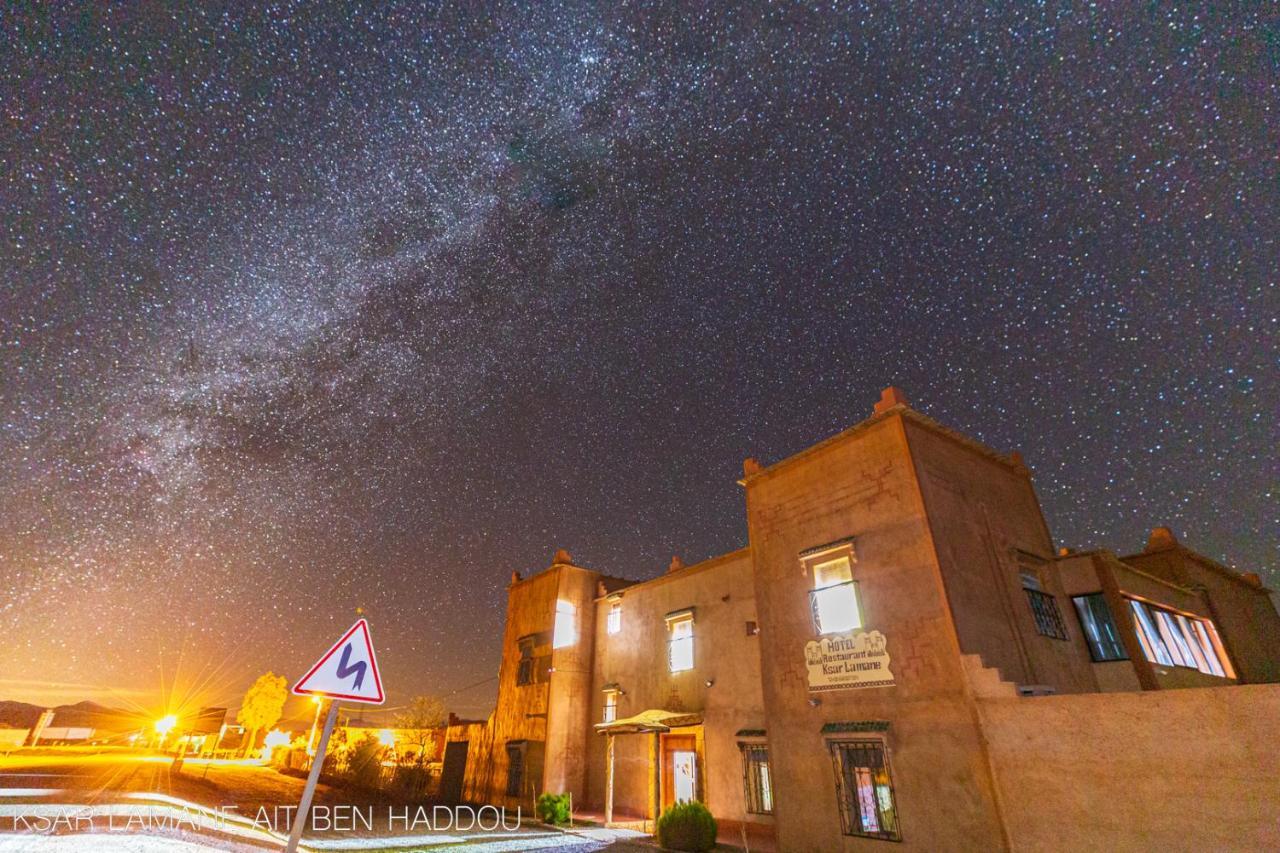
(899, 654)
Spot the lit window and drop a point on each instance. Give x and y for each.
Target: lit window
(610, 706)
(614, 622)
(565, 633)
(1099, 628)
(759, 784)
(864, 789)
(834, 598)
(680, 646)
(1174, 639)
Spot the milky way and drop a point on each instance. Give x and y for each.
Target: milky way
(312, 308)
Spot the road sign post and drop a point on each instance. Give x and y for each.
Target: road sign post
(304, 805)
(348, 671)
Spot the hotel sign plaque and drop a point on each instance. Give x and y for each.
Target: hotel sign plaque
(848, 661)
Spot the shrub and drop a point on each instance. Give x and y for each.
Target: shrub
(554, 808)
(364, 764)
(687, 826)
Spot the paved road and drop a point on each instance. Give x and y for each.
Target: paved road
(101, 791)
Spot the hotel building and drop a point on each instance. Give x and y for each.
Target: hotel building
(899, 654)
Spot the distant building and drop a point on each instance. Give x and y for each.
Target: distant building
(63, 735)
(900, 654)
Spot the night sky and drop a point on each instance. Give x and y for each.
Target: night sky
(313, 307)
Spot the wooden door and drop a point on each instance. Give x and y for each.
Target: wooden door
(679, 769)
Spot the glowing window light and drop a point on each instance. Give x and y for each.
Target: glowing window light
(565, 632)
(680, 655)
(835, 597)
(615, 618)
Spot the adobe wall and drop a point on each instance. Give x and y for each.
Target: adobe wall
(862, 485)
(721, 593)
(1169, 770)
(982, 511)
(521, 711)
(569, 700)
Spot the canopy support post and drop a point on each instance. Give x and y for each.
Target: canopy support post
(608, 785)
(655, 777)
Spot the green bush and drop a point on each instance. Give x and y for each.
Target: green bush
(554, 808)
(687, 826)
(364, 764)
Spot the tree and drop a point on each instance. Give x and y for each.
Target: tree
(420, 719)
(262, 706)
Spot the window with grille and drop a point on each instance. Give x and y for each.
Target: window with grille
(1099, 628)
(1045, 610)
(864, 789)
(757, 778)
(515, 769)
(524, 672)
(614, 621)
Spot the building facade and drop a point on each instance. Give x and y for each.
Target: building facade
(852, 676)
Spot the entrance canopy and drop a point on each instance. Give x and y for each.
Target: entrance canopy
(649, 721)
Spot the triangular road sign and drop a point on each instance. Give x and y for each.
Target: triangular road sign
(349, 670)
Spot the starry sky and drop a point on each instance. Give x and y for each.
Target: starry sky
(310, 307)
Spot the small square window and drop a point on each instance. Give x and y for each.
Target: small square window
(610, 706)
(1044, 609)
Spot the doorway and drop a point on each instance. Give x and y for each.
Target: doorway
(453, 771)
(679, 769)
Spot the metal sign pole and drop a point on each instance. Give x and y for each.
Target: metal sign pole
(304, 805)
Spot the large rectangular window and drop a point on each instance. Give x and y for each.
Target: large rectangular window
(614, 621)
(758, 781)
(864, 789)
(1099, 628)
(1175, 639)
(566, 630)
(834, 597)
(680, 642)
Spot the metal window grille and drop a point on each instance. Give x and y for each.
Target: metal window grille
(757, 778)
(1048, 618)
(864, 789)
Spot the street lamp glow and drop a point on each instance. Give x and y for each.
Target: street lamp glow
(165, 724)
(387, 737)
